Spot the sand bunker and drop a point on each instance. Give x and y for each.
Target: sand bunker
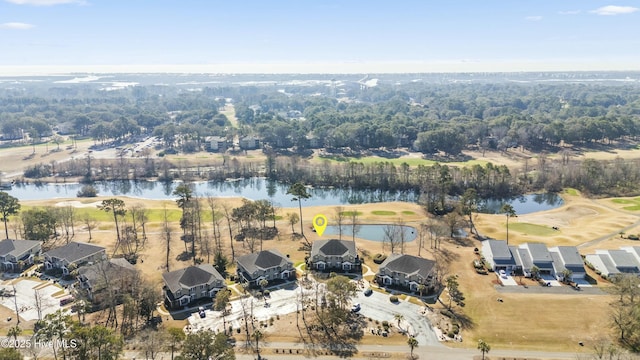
(78, 204)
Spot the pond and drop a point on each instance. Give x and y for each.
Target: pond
(253, 188)
(525, 204)
(373, 232)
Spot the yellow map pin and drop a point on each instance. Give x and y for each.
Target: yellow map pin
(319, 223)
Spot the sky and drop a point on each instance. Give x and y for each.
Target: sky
(319, 35)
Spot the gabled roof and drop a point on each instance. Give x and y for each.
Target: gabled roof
(74, 251)
(499, 249)
(191, 276)
(333, 247)
(570, 256)
(16, 247)
(263, 260)
(113, 268)
(409, 264)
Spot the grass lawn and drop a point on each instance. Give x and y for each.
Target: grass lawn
(532, 229)
(634, 203)
(351, 213)
(383, 212)
(572, 191)
(408, 212)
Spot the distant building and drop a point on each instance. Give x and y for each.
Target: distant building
(183, 287)
(15, 255)
(614, 262)
(249, 143)
(216, 144)
(270, 265)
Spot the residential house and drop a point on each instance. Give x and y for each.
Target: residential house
(216, 144)
(334, 255)
(498, 254)
(15, 255)
(407, 271)
(183, 287)
(116, 275)
(613, 262)
(540, 258)
(568, 257)
(74, 254)
(249, 143)
(270, 265)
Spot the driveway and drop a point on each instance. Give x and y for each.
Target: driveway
(378, 307)
(25, 297)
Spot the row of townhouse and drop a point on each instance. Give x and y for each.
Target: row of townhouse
(521, 259)
(625, 260)
(183, 287)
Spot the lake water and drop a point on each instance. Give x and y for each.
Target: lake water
(253, 188)
(372, 232)
(261, 188)
(525, 204)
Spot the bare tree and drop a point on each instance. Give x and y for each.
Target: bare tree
(391, 237)
(37, 300)
(228, 216)
(339, 218)
(90, 224)
(166, 232)
(214, 222)
(355, 224)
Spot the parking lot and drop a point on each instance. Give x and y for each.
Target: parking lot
(25, 297)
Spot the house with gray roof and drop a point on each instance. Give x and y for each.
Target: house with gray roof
(568, 257)
(540, 257)
(183, 287)
(498, 254)
(15, 255)
(408, 272)
(613, 262)
(116, 274)
(334, 256)
(270, 265)
(74, 254)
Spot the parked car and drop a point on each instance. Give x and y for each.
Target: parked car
(355, 308)
(503, 274)
(368, 292)
(201, 312)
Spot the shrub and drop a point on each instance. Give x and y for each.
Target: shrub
(87, 191)
(385, 325)
(393, 299)
(451, 334)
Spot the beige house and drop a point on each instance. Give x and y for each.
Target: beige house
(74, 254)
(334, 255)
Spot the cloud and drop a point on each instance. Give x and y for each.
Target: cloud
(533, 18)
(614, 10)
(44, 2)
(570, 12)
(16, 26)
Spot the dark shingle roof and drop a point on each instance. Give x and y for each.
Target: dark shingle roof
(191, 276)
(74, 251)
(114, 268)
(333, 247)
(263, 260)
(408, 264)
(16, 247)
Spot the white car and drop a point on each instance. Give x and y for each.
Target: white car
(503, 274)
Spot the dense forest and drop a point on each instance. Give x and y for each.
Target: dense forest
(439, 117)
